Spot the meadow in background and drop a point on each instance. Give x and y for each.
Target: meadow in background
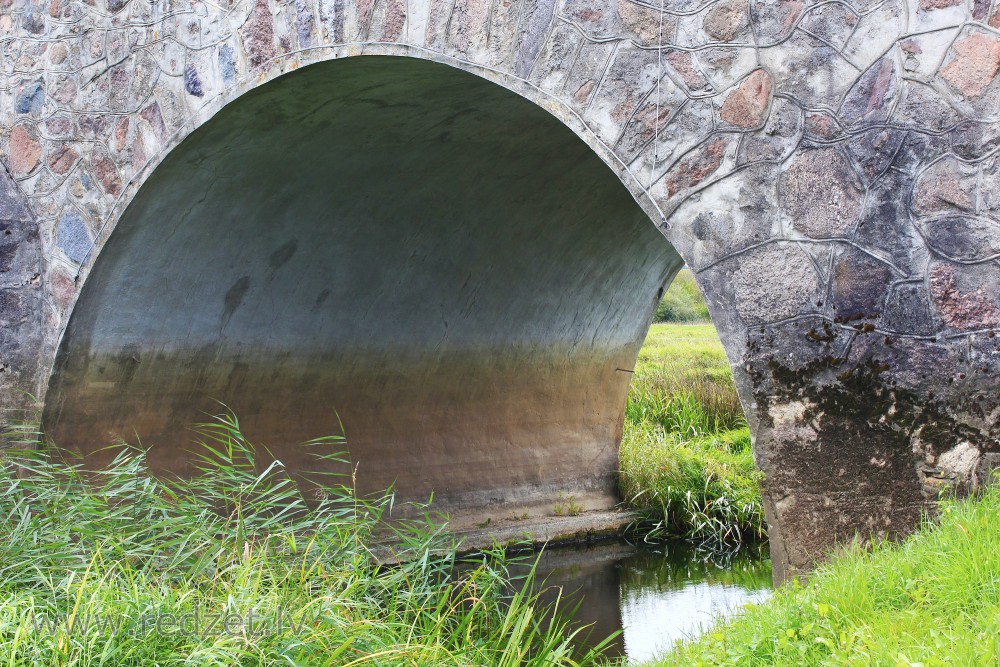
(686, 460)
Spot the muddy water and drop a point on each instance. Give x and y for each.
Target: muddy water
(653, 595)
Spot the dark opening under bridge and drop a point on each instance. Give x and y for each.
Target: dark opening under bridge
(451, 221)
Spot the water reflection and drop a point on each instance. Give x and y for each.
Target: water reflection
(654, 595)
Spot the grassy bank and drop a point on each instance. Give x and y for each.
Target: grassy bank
(932, 601)
(235, 567)
(686, 461)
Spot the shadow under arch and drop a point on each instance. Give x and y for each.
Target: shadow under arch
(435, 258)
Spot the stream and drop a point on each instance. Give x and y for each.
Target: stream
(654, 594)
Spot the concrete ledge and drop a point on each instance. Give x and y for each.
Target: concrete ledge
(517, 535)
(583, 528)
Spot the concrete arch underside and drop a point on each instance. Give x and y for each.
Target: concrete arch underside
(829, 170)
(396, 244)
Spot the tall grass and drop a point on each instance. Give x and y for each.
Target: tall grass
(238, 566)
(932, 601)
(686, 459)
(684, 402)
(704, 489)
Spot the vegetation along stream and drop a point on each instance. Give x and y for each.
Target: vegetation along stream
(120, 567)
(239, 565)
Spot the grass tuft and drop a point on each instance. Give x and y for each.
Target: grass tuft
(235, 566)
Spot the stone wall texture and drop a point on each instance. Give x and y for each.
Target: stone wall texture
(829, 170)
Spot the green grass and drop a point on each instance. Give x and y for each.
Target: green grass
(118, 568)
(683, 301)
(933, 600)
(683, 362)
(686, 461)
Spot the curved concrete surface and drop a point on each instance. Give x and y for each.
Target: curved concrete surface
(432, 257)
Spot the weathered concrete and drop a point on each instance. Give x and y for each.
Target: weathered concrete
(829, 170)
(444, 265)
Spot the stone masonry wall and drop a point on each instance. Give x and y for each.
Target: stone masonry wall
(829, 170)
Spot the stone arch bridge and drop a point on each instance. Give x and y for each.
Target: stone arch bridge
(450, 221)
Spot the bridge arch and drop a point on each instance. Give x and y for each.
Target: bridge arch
(827, 169)
(392, 243)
